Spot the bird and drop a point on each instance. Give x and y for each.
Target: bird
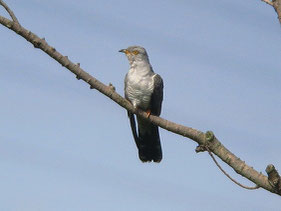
(144, 90)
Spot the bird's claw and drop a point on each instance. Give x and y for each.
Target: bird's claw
(148, 113)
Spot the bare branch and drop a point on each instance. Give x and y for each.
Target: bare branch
(201, 138)
(14, 18)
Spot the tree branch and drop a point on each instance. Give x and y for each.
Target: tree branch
(14, 18)
(203, 139)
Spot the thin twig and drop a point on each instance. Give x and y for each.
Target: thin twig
(226, 174)
(268, 2)
(14, 18)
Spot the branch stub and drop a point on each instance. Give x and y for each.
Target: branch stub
(273, 177)
(209, 136)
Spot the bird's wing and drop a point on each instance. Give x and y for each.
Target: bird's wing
(157, 95)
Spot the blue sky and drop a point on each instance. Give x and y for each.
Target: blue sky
(66, 147)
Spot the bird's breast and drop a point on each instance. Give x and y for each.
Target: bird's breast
(139, 89)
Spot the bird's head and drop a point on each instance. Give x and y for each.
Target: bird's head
(135, 54)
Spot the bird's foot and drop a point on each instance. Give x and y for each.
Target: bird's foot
(148, 113)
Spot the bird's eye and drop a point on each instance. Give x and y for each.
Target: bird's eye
(135, 52)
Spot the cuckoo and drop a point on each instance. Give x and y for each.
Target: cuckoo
(144, 89)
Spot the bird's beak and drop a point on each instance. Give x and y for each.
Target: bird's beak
(124, 51)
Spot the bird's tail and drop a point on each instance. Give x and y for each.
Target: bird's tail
(149, 145)
(147, 140)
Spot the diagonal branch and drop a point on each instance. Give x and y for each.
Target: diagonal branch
(201, 138)
(11, 13)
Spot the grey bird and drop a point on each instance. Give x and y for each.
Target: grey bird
(144, 89)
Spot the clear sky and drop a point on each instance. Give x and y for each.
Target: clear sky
(66, 147)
